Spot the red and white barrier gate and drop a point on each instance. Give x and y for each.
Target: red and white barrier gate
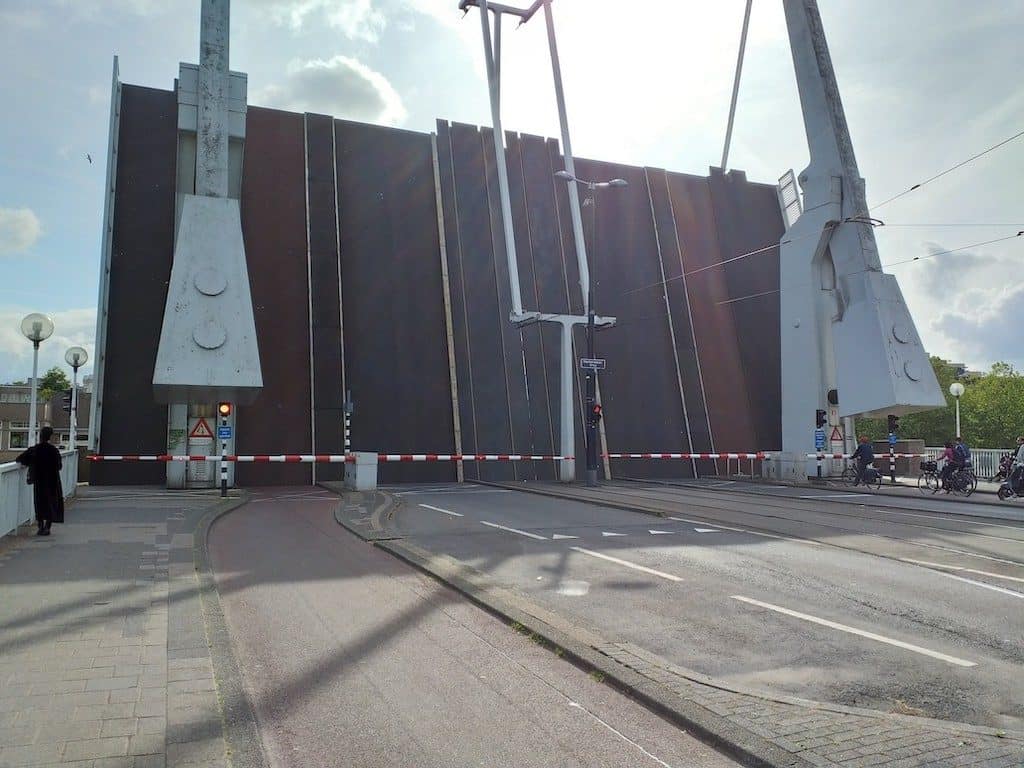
(759, 455)
(334, 458)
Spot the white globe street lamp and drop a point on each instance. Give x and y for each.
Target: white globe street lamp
(37, 328)
(76, 357)
(956, 389)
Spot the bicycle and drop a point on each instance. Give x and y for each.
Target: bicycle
(872, 477)
(961, 482)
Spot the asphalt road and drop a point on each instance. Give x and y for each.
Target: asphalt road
(351, 658)
(840, 600)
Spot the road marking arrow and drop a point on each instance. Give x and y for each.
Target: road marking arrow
(706, 530)
(659, 533)
(606, 533)
(562, 536)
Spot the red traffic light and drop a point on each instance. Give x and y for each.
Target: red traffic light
(224, 409)
(596, 410)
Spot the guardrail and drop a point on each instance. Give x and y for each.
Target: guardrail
(16, 505)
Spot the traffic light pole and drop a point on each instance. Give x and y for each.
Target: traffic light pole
(894, 426)
(591, 402)
(223, 456)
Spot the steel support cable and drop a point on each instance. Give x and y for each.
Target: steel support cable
(736, 85)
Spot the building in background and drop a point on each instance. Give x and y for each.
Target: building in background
(15, 406)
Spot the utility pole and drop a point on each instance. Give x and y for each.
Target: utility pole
(519, 317)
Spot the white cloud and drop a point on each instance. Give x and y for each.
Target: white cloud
(357, 19)
(19, 230)
(984, 333)
(72, 327)
(341, 86)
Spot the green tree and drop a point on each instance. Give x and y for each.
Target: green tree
(54, 380)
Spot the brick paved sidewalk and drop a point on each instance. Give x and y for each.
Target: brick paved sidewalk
(832, 736)
(104, 659)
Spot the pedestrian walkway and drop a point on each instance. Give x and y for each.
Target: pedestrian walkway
(104, 659)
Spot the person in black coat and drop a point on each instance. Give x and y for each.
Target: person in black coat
(44, 465)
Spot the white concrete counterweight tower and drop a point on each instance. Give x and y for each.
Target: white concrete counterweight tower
(208, 349)
(844, 323)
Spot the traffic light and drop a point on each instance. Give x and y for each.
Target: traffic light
(224, 410)
(595, 414)
(66, 400)
(894, 424)
(820, 418)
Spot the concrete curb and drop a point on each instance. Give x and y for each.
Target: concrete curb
(241, 729)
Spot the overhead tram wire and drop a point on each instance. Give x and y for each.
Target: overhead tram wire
(856, 217)
(891, 264)
(962, 163)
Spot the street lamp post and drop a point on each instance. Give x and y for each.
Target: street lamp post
(591, 380)
(76, 357)
(956, 389)
(37, 328)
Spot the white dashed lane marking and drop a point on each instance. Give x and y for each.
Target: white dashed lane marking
(626, 564)
(854, 631)
(442, 511)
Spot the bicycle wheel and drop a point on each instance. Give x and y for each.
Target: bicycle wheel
(960, 484)
(928, 482)
(849, 476)
(876, 481)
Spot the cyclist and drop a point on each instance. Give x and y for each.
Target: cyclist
(962, 453)
(948, 467)
(864, 456)
(1018, 465)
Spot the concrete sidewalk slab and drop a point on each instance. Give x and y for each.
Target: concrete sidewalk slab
(104, 655)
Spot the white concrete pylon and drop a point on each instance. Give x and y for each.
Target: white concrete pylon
(844, 323)
(208, 347)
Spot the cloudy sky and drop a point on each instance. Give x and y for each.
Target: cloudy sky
(925, 83)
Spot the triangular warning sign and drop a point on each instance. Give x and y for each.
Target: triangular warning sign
(201, 429)
(837, 436)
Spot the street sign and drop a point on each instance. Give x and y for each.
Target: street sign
(223, 433)
(837, 435)
(819, 439)
(593, 363)
(201, 431)
(892, 439)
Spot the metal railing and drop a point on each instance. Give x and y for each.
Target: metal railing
(16, 506)
(985, 461)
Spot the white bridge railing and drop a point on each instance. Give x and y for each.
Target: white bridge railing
(16, 507)
(985, 461)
